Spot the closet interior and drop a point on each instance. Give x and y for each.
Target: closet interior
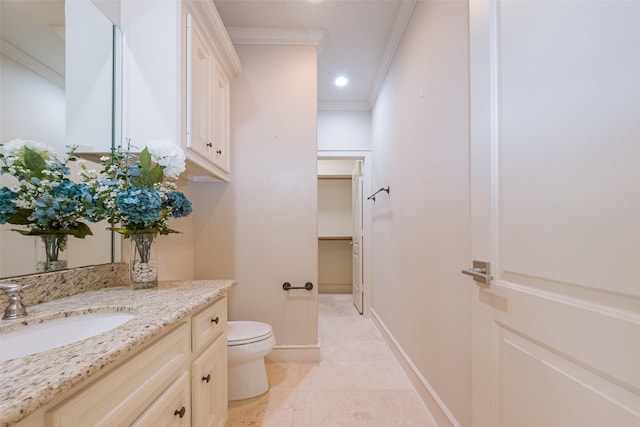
(335, 225)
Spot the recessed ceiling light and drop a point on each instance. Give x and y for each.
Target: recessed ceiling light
(341, 81)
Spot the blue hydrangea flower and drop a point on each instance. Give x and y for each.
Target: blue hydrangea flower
(68, 189)
(141, 205)
(49, 209)
(45, 210)
(107, 182)
(84, 193)
(179, 204)
(7, 204)
(57, 165)
(134, 171)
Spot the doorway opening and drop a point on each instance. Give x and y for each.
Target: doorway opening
(343, 255)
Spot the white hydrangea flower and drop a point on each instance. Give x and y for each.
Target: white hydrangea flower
(167, 154)
(13, 147)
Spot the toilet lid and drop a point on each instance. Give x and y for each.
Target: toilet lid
(246, 332)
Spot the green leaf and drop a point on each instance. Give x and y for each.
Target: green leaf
(23, 232)
(82, 231)
(128, 233)
(20, 217)
(138, 181)
(145, 160)
(155, 175)
(34, 162)
(166, 231)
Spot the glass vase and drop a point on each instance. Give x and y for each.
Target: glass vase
(50, 254)
(144, 264)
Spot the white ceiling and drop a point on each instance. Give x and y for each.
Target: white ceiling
(360, 38)
(36, 28)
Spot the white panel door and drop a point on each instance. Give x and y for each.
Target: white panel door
(555, 177)
(356, 247)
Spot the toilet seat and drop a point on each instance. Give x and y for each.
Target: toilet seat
(241, 332)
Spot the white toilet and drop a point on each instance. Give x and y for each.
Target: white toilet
(247, 343)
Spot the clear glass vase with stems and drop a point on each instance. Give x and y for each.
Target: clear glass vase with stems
(50, 252)
(144, 264)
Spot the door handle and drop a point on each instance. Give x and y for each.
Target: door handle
(481, 272)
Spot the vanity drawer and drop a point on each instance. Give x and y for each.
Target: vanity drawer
(208, 324)
(122, 395)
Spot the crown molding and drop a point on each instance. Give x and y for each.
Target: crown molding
(31, 63)
(208, 17)
(278, 36)
(402, 20)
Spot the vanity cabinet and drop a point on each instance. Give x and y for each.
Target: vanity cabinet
(178, 380)
(210, 62)
(123, 395)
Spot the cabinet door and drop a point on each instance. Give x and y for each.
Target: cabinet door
(209, 385)
(221, 120)
(199, 94)
(171, 408)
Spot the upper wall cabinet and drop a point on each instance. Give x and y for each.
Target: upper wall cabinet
(177, 65)
(210, 62)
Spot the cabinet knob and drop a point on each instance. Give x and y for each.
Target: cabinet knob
(180, 412)
(207, 378)
(216, 320)
(209, 144)
(219, 152)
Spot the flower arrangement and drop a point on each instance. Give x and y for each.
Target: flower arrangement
(137, 194)
(138, 191)
(44, 200)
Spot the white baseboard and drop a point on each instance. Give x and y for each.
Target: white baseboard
(295, 354)
(439, 411)
(324, 288)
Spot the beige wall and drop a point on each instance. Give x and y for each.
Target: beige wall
(176, 251)
(344, 130)
(335, 270)
(261, 227)
(334, 207)
(421, 231)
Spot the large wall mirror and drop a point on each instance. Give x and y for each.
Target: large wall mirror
(58, 85)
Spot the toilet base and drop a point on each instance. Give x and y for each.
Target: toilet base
(248, 379)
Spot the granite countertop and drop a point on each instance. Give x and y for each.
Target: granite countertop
(27, 383)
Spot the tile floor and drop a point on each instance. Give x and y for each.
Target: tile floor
(358, 382)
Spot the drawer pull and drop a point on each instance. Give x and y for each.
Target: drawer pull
(216, 320)
(207, 378)
(180, 412)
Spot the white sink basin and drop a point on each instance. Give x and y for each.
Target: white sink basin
(57, 332)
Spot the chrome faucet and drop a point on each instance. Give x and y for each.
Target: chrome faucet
(15, 309)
